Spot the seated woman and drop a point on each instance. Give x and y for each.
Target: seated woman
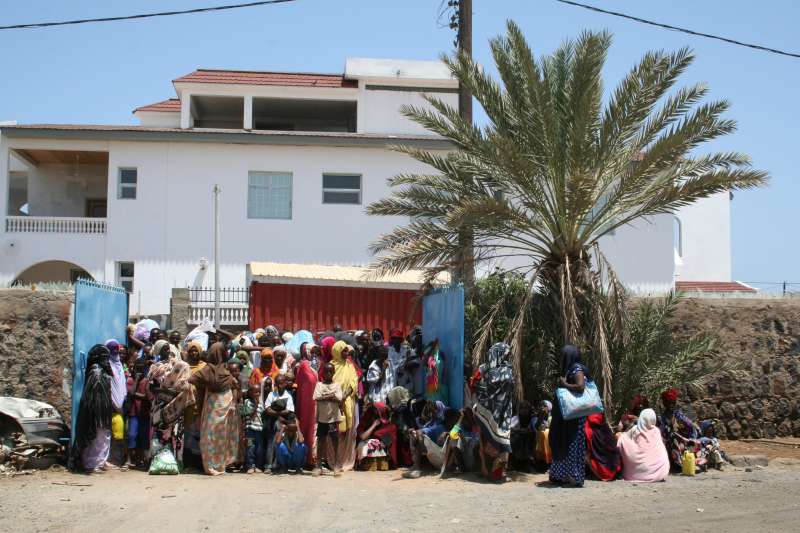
(602, 454)
(628, 420)
(377, 439)
(428, 441)
(461, 450)
(544, 456)
(677, 430)
(644, 456)
(523, 438)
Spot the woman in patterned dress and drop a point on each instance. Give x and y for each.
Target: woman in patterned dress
(568, 437)
(219, 430)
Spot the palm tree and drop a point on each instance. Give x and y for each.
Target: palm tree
(555, 169)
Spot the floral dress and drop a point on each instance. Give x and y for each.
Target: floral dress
(219, 440)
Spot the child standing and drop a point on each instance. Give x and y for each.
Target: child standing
(252, 411)
(329, 397)
(138, 414)
(276, 404)
(290, 449)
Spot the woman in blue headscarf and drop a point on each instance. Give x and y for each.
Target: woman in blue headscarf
(568, 437)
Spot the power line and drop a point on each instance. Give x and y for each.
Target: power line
(142, 16)
(683, 30)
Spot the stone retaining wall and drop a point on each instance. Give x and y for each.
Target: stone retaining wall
(36, 346)
(763, 402)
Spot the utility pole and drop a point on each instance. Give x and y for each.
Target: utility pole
(217, 318)
(466, 267)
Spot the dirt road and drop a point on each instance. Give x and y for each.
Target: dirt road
(734, 500)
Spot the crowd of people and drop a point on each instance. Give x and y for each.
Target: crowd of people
(282, 402)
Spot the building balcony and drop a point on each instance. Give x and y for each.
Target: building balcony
(62, 225)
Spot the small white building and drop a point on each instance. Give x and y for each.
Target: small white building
(297, 156)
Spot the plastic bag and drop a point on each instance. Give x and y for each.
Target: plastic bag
(164, 463)
(117, 427)
(147, 323)
(574, 405)
(199, 334)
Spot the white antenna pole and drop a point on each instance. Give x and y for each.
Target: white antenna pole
(217, 318)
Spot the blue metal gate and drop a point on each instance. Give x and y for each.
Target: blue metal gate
(101, 313)
(443, 319)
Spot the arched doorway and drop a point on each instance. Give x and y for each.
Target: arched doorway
(52, 272)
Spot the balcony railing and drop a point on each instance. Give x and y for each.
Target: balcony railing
(92, 226)
(233, 305)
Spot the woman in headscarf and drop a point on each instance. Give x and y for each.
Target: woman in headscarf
(161, 350)
(644, 457)
(603, 457)
(191, 420)
(568, 437)
(219, 429)
(326, 345)
(628, 420)
(377, 439)
(347, 378)
(495, 388)
(119, 391)
(677, 429)
(305, 407)
(494, 411)
(93, 426)
(172, 396)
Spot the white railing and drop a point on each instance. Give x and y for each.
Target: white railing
(231, 314)
(55, 225)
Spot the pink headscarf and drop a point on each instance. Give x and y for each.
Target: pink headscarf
(327, 354)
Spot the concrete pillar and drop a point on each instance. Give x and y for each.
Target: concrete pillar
(179, 310)
(186, 111)
(248, 112)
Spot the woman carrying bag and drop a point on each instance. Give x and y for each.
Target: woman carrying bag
(576, 397)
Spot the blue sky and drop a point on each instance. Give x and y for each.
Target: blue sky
(98, 73)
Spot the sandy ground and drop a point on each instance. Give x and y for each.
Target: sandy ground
(762, 500)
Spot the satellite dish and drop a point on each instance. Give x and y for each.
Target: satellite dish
(24, 208)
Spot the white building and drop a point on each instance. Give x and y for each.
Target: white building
(297, 156)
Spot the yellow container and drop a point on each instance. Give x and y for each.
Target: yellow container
(117, 427)
(689, 463)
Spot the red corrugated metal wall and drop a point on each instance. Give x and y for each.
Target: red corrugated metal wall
(318, 308)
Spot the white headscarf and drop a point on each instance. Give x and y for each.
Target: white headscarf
(646, 422)
(287, 337)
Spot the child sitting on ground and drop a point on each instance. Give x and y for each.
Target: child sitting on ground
(290, 448)
(328, 396)
(252, 411)
(523, 438)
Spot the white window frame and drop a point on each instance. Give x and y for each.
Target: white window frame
(122, 279)
(121, 186)
(250, 174)
(360, 189)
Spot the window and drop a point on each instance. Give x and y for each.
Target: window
(126, 189)
(125, 275)
(341, 189)
(269, 195)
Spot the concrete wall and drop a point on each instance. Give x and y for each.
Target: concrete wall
(764, 335)
(36, 346)
(706, 228)
(55, 191)
(641, 254)
(381, 113)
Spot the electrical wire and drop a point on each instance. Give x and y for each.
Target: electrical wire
(683, 30)
(141, 16)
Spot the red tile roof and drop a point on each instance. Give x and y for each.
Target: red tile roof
(712, 286)
(289, 79)
(173, 105)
